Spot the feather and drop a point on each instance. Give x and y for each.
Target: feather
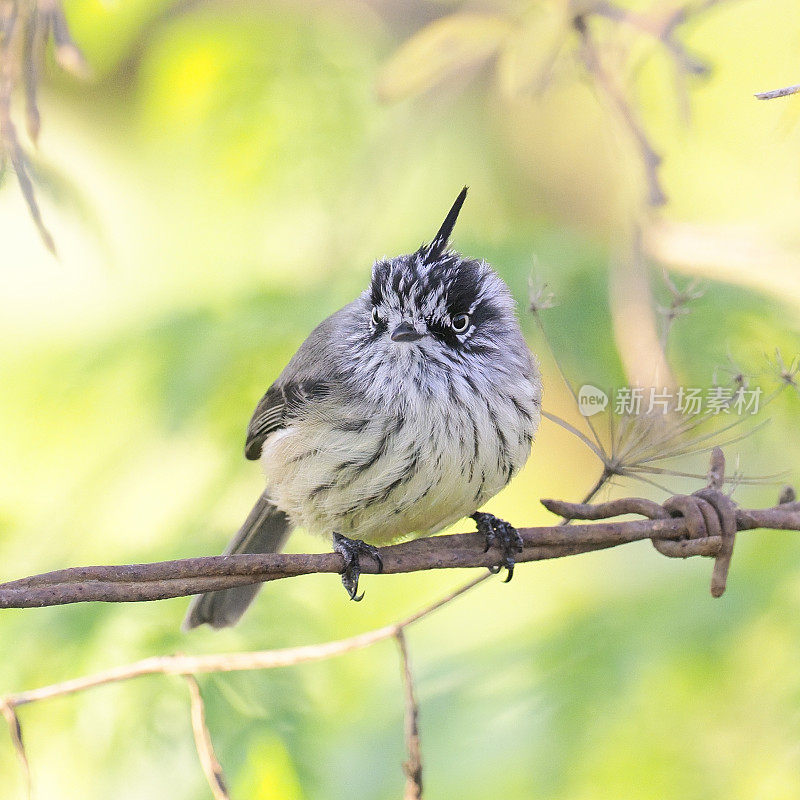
(440, 241)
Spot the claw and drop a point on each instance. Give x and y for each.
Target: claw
(351, 550)
(497, 530)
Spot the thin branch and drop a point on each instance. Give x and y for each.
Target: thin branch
(7, 708)
(597, 450)
(412, 767)
(661, 27)
(605, 477)
(189, 666)
(232, 662)
(771, 95)
(27, 25)
(202, 739)
(575, 432)
(624, 110)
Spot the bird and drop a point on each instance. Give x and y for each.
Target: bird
(400, 414)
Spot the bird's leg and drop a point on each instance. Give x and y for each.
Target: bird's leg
(496, 530)
(350, 550)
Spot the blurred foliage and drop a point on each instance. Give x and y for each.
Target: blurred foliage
(238, 168)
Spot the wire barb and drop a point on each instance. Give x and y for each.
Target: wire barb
(710, 518)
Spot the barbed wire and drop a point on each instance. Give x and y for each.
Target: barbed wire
(704, 523)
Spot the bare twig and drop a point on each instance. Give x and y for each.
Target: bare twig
(68, 54)
(233, 662)
(189, 666)
(18, 20)
(605, 477)
(412, 767)
(25, 27)
(678, 307)
(624, 110)
(660, 26)
(771, 95)
(32, 55)
(15, 729)
(202, 739)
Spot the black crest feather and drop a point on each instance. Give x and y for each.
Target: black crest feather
(442, 238)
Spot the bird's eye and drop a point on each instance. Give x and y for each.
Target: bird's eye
(459, 323)
(376, 317)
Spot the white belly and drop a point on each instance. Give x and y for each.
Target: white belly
(386, 473)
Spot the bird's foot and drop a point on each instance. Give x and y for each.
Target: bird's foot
(496, 530)
(351, 550)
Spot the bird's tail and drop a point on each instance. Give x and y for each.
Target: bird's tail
(264, 531)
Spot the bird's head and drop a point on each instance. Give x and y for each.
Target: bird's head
(435, 301)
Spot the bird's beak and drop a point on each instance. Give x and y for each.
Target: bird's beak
(405, 332)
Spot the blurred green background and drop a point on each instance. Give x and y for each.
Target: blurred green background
(222, 183)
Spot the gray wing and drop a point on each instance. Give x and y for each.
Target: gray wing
(275, 407)
(311, 375)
